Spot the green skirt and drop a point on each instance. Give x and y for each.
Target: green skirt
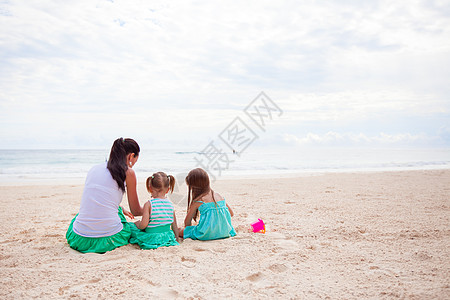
(99, 244)
(153, 238)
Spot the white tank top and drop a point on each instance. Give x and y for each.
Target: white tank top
(98, 216)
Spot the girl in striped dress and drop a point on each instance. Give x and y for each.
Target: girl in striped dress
(158, 226)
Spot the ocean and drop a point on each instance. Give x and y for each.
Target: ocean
(52, 165)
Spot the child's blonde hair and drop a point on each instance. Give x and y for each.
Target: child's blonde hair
(160, 181)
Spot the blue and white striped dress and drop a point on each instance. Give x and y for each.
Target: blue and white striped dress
(162, 212)
(158, 232)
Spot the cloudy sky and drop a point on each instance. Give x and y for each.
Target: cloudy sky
(361, 73)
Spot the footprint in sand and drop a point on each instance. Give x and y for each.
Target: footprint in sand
(188, 262)
(167, 293)
(52, 235)
(9, 241)
(27, 231)
(282, 241)
(42, 248)
(242, 228)
(94, 280)
(2, 257)
(152, 283)
(289, 202)
(198, 249)
(255, 277)
(219, 250)
(66, 288)
(63, 289)
(278, 268)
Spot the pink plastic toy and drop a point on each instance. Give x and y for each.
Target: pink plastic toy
(259, 226)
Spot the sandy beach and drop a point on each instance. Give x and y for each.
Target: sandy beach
(338, 236)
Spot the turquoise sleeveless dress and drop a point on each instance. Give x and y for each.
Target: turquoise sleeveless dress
(214, 223)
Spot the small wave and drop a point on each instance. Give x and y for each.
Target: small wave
(196, 152)
(78, 163)
(187, 152)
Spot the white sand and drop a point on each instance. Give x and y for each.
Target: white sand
(339, 236)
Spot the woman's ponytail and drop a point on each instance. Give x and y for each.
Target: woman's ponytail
(117, 163)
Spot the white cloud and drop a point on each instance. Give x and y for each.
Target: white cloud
(125, 60)
(333, 139)
(170, 127)
(360, 105)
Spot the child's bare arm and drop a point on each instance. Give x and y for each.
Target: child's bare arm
(230, 210)
(142, 224)
(191, 213)
(175, 228)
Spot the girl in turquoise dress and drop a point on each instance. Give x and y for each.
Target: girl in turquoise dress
(215, 214)
(158, 226)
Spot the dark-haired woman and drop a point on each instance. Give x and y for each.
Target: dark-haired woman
(100, 226)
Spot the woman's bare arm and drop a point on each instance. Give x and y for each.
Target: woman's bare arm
(133, 200)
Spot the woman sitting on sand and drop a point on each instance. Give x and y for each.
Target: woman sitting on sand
(100, 225)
